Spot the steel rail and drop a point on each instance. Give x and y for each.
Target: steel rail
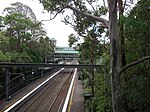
(45, 89)
(13, 106)
(61, 91)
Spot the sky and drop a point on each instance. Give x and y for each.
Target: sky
(55, 28)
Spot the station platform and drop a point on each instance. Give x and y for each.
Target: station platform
(77, 102)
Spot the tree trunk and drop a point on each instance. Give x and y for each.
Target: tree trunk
(19, 42)
(121, 34)
(123, 56)
(114, 54)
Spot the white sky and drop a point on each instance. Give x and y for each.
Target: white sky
(55, 28)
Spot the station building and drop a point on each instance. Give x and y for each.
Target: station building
(64, 54)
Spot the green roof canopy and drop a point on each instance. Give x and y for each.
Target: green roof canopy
(65, 50)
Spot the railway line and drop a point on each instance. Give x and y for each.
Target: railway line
(51, 97)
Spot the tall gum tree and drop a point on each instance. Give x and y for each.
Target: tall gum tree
(36, 27)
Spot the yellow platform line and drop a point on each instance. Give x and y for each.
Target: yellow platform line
(71, 98)
(7, 106)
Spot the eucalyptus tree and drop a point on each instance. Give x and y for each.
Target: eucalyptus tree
(17, 27)
(21, 9)
(19, 20)
(24, 30)
(36, 28)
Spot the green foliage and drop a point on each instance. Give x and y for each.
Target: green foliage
(135, 89)
(22, 9)
(81, 24)
(4, 57)
(20, 57)
(72, 39)
(20, 42)
(1, 23)
(135, 82)
(102, 79)
(101, 10)
(137, 30)
(4, 42)
(89, 50)
(103, 96)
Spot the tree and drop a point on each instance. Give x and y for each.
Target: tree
(4, 49)
(35, 28)
(4, 41)
(21, 9)
(24, 34)
(135, 80)
(17, 27)
(72, 39)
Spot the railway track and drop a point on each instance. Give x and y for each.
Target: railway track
(57, 104)
(51, 97)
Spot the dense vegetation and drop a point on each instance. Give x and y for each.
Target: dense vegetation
(22, 38)
(122, 85)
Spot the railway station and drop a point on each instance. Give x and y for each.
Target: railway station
(62, 54)
(104, 66)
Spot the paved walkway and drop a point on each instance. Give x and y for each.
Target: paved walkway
(77, 104)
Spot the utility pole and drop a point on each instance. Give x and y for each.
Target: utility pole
(7, 83)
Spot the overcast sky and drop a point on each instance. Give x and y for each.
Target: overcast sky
(55, 28)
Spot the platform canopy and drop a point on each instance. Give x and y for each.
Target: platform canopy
(65, 50)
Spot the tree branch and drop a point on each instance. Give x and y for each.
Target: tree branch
(91, 5)
(102, 20)
(124, 5)
(134, 63)
(67, 22)
(104, 3)
(84, 36)
(93, 82)
(46, 20)
(56, 14)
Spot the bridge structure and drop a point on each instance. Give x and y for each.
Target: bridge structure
(62, 54)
